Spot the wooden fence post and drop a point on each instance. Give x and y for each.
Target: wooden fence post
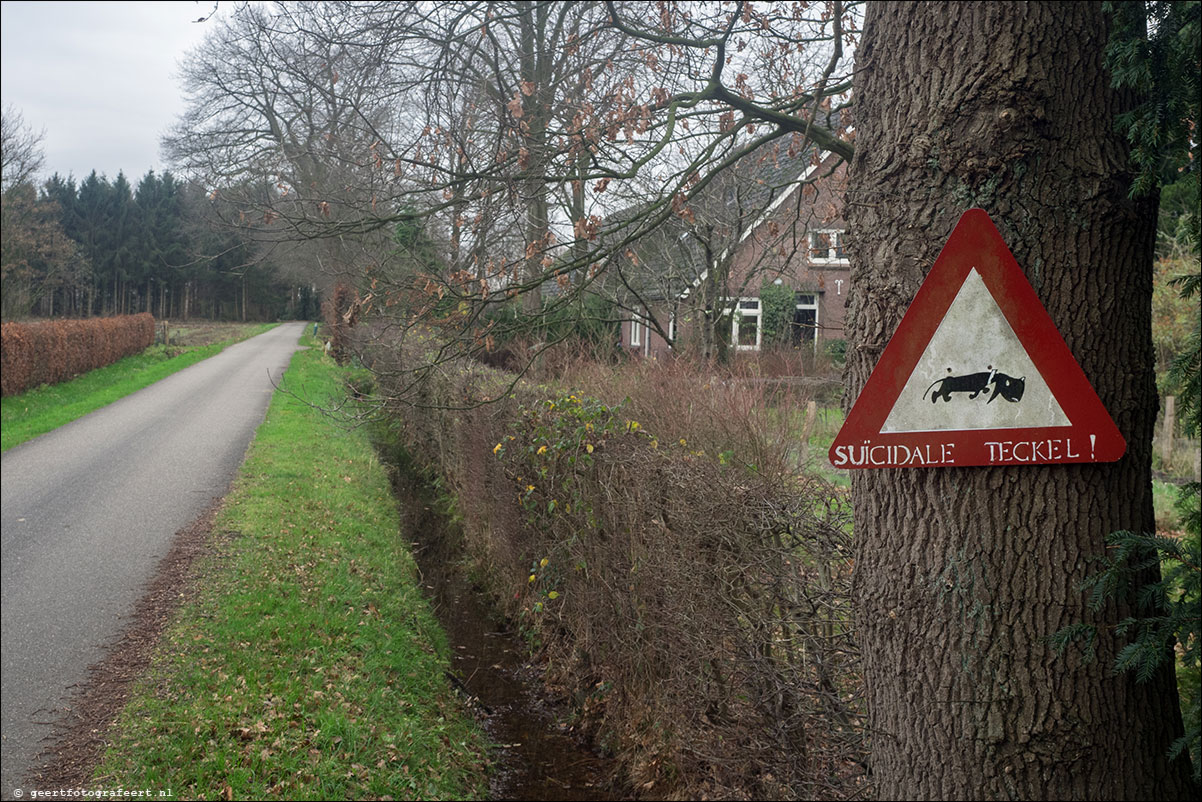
(1166, 432)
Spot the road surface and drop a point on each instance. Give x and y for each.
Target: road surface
(88, 511)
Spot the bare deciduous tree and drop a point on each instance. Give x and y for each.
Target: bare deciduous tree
(20, 150)
(509, 129)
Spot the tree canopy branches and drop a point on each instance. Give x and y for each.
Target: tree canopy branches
(526, 117)
(531, 143)
(20, 150)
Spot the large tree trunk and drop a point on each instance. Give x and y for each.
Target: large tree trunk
(533, 63)
(963, 573)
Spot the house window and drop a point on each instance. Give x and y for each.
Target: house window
(636, 331)
(745, 330)
(804, 327)
(826, 247)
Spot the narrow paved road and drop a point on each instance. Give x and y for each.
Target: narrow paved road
(88, 511)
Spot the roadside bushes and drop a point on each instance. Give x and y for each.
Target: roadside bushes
(683, 585)
(54, 351)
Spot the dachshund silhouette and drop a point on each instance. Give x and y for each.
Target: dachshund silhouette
(974, 384)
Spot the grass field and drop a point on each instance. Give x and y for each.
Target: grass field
(45, 408)
(310, 666)
(822, 430)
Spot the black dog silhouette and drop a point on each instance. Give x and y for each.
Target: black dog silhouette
(974, 384)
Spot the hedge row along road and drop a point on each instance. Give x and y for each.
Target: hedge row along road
(88, 511)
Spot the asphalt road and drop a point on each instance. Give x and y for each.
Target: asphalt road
(89, 510)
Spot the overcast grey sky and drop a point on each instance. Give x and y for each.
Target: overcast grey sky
(98, 78)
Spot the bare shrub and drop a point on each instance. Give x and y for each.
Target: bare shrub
(677, 578)
(787, 362)
(339, 313)
(722, 414)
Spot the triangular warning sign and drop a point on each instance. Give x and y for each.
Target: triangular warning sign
(976, 374)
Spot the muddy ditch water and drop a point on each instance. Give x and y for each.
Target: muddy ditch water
(536, 757)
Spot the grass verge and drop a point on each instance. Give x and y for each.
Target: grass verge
(1164, 502)
(45, 408)
(309, 666)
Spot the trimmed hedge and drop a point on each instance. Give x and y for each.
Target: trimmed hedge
(53, 351)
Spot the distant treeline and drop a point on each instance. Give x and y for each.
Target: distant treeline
(104, 247)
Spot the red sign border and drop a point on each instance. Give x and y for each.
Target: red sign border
(976, 242)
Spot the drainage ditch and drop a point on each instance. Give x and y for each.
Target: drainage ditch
(536, 757)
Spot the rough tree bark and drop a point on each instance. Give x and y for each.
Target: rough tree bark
(964, 573)
(535, 72)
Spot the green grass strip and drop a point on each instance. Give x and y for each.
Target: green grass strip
(309, 666)
(43, 409)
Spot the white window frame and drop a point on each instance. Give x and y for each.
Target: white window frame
(817, 314)
(757, 313)
(636, 332)
(832, 251)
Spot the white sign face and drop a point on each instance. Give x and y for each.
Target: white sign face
(974, 374)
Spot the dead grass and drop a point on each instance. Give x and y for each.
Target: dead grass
(192, 333)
